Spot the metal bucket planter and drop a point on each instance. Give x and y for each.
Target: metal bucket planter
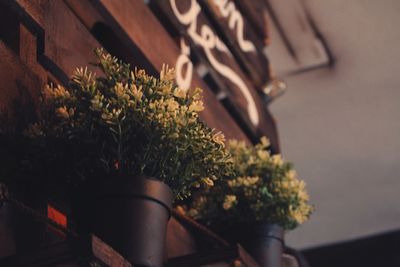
(131, 215)
(263, 241)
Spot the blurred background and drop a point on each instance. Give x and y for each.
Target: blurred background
(340, 125)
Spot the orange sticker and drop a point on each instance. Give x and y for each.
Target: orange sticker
(56, 216)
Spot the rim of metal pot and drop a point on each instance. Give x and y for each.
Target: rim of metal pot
(137, 187)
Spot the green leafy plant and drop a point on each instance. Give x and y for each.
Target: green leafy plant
(127, 122)
(265, 189)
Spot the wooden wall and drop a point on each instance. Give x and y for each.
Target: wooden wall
(212, 44)
(216, 45)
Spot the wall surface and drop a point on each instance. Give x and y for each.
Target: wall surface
(341, 125)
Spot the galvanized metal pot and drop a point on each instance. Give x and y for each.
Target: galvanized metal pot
(131, 215)
(263, 241)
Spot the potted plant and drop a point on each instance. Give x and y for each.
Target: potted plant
(134, 143)
(257, 204)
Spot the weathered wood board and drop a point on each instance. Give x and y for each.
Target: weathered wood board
(238, 34)
(188, 19)
(44, 41)
(117, 15)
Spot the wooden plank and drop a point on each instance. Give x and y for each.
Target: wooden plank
(179, 240)
(188, 19)
(60, 55)
(27, 48)
(31, 14)
(28, 52)
(107, 254)
(23, 15)
(245, 257)
(73, 252)
(159, 48)
(215, 258)
(36, 9)
(68, 44)
(240, 37)
(19, 89)
(204, 258)
(256, 13)
(58, 35)
(199, 230)
(85, 12)
(211, 246)
(298, 45)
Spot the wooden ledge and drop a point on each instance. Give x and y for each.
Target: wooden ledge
(89, 250)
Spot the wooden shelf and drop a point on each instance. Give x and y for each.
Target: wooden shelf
(88, 251)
